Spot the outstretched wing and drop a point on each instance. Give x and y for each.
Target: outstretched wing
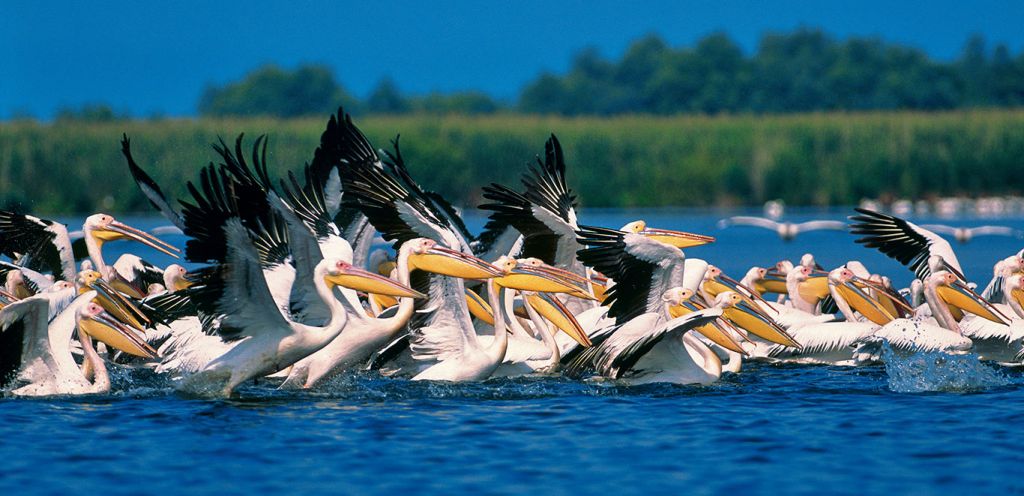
(38, 244)
(903, 241)
(742, 220)
(821, 225)
(238, 288)
(149, 187)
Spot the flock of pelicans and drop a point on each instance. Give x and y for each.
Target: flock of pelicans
(289, 287)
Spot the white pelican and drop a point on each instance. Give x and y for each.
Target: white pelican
(786, 230)
(268, 340)
(964, 235)
(37, 350)
(1003, 269)
(653, 347)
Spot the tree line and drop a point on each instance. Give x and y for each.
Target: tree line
(805, 70)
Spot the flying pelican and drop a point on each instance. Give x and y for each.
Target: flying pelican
(786, 230)
(36, 349)
(964, 235)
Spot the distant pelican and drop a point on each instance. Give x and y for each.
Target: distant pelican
(966, 234)
(786, 230)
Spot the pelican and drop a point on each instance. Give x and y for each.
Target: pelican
(653, 347)
(37, 350)
(964, 235)
(786, 230)
(268, 340)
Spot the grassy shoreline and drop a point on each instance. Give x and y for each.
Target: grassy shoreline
(630, 161)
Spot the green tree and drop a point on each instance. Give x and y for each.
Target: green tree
(387, 99)
(270, 90)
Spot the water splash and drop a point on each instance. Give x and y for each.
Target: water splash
(920, 372)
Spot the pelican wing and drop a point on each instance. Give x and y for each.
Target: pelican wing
(630, 260)
(396, 212)
(35, 281)
(996, 231)
(138, 272)
(514, 209)
(23, 335)
(240, 290)
(167, 307)
(940, 228)
(823, 338)
(742, 220)
(149, 187)
(39, 244)
(818, 225)
(626, 346)
(440, 207)
(545, 214)
(903, 241)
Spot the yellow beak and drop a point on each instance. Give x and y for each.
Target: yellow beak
(104, 327)
(555, 312)
(545, 279)
(863, 304)
(771, 283)
(679, 239)
(119, 230)
(384, 301)
(814, 289)
(117, 304)
(960, 296)
(758, 323)
(479, 308)
(452, 263)
(368, 282)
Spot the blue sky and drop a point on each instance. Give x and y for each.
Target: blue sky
(144, 58)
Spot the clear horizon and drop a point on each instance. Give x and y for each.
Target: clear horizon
(157, 59)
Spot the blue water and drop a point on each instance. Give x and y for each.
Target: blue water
(920, 425)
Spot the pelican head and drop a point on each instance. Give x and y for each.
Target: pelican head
(741, 313)
(799, 273)
(676, 296)
(337, 272)
(679, 239)
(957, 294)
(756, 273)
(175, 278)
(102, 326)
(425, 254)
(59, 286)
(102, 228)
